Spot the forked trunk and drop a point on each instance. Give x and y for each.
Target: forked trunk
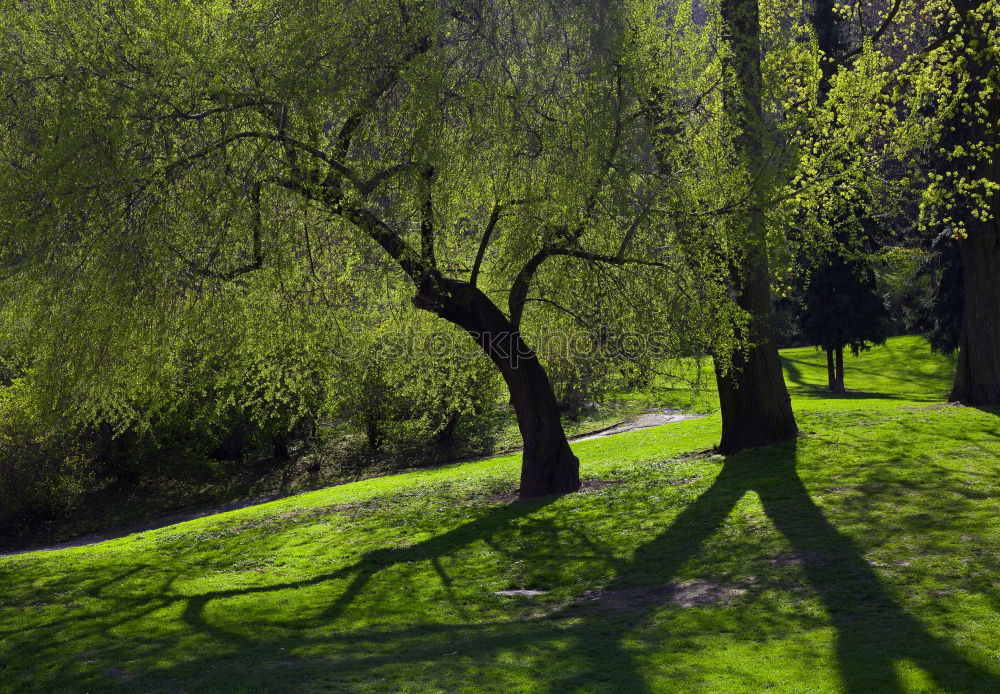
(548, 466)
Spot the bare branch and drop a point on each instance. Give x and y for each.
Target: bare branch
(427, 219)
(519, 288)
(184, 115)
(879, 33)
(171, 170)
(382, 84)
(484, 242)
(606, 259)
(495, 216)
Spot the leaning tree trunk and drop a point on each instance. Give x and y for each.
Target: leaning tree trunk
(977, 377)
(548, 466)
(756, 409)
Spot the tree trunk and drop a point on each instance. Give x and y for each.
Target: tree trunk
(831, 371)
(977, 377)
(447, 432)
(756, 409)
(548, 466)
(838, 385)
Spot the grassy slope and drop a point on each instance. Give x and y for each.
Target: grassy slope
(862, 558)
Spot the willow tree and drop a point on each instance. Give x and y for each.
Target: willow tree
(470, 147)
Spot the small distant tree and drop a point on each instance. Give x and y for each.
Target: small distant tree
(843, 308)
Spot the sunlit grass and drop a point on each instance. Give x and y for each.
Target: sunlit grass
(862, 558)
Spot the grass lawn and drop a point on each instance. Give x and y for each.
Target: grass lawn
(862, 558)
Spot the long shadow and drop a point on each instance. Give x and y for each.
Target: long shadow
(874, 632)
(995, 411)
(794, 372)
(375, 561)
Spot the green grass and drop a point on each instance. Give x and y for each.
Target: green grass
(862, 558)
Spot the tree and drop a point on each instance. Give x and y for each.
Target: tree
(976, 203)
(843, 308)
(756, 407)
(940, 81)
(161, 151)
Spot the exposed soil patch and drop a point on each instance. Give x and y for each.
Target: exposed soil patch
(800, 559)
(697, 593)
(935, 406)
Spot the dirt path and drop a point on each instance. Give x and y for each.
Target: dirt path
(646, 420)
(642, 421)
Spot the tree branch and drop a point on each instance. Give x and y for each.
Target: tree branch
(582, 323)
(427, 219)
(495, 215)
(484, 242)
(522, 282)
(606, 259)
(382, 85)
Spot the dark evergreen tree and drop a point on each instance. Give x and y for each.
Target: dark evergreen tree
(843, 307)
(941, 312)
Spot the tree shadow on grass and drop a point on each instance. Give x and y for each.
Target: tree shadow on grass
(376, 561)
(794, 373)
(874, 632)
(995, 411)
(923, 384)
(581, 646)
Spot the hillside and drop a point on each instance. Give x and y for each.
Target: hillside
(862, 558)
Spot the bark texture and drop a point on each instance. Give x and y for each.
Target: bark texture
(756, 408)
(977, 377)
(548, 466)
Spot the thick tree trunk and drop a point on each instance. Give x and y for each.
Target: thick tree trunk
(756, 409)
(838, 385)
(548, 466)
(977, 378)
